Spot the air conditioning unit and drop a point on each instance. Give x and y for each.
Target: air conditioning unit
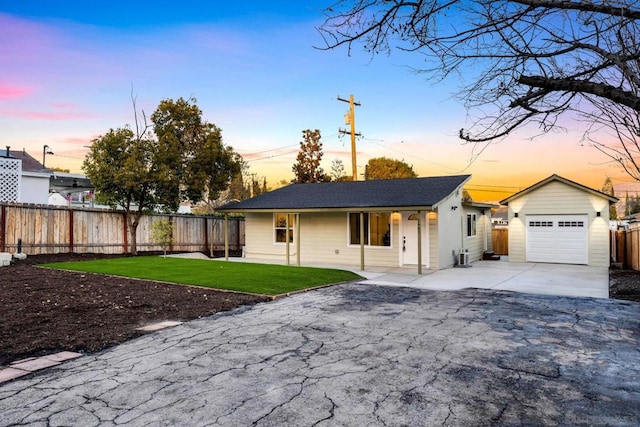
(463, 258)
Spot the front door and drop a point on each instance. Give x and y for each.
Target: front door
(409, 239)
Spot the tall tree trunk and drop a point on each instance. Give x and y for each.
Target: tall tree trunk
(133, 220)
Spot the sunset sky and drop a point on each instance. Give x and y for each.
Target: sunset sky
(68, 69)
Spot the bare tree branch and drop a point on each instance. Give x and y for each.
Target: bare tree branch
(521, 61)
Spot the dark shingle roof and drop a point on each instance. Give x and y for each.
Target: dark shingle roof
(389, 193)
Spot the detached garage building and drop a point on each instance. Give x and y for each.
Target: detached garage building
(559, 221)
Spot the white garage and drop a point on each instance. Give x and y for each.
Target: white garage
(559, 221)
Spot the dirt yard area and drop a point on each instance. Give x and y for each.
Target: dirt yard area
(45, 311)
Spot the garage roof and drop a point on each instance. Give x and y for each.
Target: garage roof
(387, 193)
(558, 178)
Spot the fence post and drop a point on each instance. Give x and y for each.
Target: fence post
(3, 228)
(71, 236)
(226, 237)
(206, 236)
(173, 232)
(125, 235)
(238, 247)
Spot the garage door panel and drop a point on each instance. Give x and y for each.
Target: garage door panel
(557, 239)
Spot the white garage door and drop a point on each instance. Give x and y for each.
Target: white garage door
(558, 238)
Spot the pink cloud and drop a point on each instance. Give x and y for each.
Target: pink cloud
(43, 115)
(10, 92)
(81, 141)
(63, 105)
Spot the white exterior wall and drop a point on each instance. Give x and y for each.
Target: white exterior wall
(557, 198)
(450, 226)
(482, 241)
(34, 188)
(323, 239)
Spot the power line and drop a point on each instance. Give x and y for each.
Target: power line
(406, 154)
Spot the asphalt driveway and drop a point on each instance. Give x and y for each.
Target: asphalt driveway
(359, 354)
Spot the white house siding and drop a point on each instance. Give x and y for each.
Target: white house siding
(323, 239)
(558, 198)
(34, 188)
(476, 245)
(449, 235)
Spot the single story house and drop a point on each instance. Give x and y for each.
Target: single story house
(419, 222)
(22, 178)
(559, 221)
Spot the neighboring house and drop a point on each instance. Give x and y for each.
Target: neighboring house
(70, 189)
(559, 221)
(22, 178)
(372, 223)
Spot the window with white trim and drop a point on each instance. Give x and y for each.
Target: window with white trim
(471, 225)
(377, 228)
(280, 228)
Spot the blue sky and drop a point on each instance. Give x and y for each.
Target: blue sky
(67, 70)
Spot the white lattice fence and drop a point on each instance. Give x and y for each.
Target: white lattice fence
(10, 173)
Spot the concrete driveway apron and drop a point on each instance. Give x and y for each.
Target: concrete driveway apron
(535, 278)
(358, 354)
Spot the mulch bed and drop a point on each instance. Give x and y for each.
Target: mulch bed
(44, 311)
(624, 284)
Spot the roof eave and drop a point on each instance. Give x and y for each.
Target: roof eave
(337, 209)
(481, 205)
(558, 178)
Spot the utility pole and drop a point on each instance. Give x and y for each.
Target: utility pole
(350, 119)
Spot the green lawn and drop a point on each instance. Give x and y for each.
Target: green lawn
(265, 279)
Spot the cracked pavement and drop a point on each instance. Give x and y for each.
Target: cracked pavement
(357, 354)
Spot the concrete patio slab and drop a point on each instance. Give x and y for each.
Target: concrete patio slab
(357, 354)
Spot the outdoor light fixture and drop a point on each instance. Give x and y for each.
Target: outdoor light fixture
(515, 214)
(598, 213)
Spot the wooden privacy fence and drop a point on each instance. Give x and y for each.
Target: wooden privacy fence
(500, 239)
(47, 229)
(625, 248)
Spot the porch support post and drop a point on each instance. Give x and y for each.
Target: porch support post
(419, 242)
(226, 237)
(362, 241)
(286, 227)
(297, 239)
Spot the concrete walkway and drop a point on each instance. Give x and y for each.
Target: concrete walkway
(358, 354)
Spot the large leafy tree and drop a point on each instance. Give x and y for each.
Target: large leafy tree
(307, 168)
(185, 160)
(520, 61)
(125, 171)
(201, 166)
(384, 168)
